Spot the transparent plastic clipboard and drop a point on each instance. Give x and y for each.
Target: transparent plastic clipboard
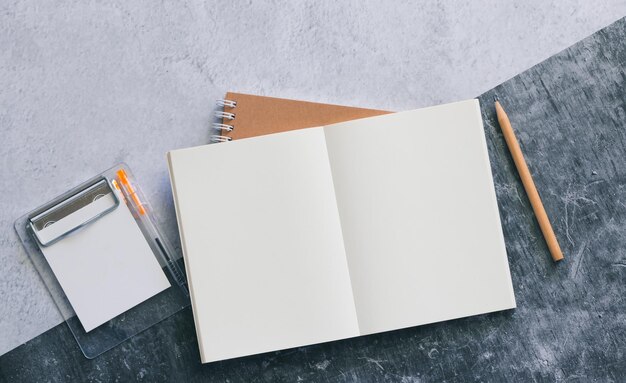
(75, 211)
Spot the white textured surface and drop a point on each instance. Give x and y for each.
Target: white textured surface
(84, 85)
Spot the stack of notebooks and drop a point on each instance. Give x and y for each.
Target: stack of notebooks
(321, 222)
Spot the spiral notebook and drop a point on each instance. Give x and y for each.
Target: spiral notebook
(341, 230)
(246, 115)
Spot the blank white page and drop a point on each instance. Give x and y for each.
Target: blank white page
(419, 215)
(106, 267)
(262, 244)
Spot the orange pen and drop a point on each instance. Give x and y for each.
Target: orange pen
(131, 191)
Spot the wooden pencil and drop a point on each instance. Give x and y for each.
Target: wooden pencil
(529, 184)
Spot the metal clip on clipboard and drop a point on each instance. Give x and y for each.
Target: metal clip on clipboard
(57, 220)
(73, 212)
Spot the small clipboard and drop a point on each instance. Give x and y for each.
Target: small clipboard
(109, 203)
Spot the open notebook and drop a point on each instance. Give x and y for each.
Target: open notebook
(338, 231)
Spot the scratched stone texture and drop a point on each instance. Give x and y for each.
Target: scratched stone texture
(570, 324)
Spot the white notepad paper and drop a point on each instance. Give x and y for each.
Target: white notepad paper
(327, 233)
(106, 267)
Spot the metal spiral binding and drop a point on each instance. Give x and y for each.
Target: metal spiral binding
(219, 138)
(226, 115)
(226, 103)
(220, 126)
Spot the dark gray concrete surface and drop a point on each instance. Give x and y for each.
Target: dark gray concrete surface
(570, 325)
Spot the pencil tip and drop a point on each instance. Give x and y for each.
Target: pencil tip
(495, 98)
